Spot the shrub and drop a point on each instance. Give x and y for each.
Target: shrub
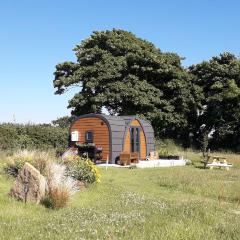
(83, 170)
(16, 161)
(38, 159)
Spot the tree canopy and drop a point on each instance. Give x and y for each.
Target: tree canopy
(128, 75)
(219, 80)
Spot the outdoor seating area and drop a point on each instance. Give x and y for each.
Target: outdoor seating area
(128, 158)
(217, 162)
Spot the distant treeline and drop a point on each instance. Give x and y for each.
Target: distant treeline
(56, 135)
(32, 136)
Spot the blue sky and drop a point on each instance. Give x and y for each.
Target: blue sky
(36, 35)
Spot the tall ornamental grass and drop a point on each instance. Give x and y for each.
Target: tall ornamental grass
(60, 187)
(39, 159)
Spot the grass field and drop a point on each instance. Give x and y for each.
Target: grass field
(161, 203)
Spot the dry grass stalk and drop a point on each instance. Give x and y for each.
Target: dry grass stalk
(60, 186)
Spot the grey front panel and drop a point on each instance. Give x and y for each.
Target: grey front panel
(151, 141)
(115, 155)
(117, 147)
(117, 135)
(117, 128)
(148, 129)
(149, 136)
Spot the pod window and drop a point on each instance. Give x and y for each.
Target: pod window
(89, 136)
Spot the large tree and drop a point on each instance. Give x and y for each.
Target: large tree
(63, 122)
(128, 75)
(219, 79)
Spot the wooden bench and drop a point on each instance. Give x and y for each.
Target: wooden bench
(134, 157)
(127, 158)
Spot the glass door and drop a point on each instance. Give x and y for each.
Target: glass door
(135, 139)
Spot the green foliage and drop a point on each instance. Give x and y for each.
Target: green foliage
(219, 79)
(162, 149)
(83, 170)
(8, 136)
(39, 159)
(47, 202)
(128, 75)
(168, 146)
(16, 161)
(63, 122)
(19, 136)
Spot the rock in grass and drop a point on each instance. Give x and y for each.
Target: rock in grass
(30, 185)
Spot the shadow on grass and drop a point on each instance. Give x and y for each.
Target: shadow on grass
(200, 166)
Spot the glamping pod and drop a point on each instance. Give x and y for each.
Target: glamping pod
(104, 137)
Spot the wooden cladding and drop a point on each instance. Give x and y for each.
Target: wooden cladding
(99, 130)
(127, 143)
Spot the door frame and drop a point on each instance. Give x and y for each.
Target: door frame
(134, 138)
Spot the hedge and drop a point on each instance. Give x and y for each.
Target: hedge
(32, 136)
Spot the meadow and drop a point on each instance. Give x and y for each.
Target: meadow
(162, 203)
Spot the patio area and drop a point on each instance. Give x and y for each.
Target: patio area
(150, 164)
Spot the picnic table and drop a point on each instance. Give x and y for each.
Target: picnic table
(217, 161)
